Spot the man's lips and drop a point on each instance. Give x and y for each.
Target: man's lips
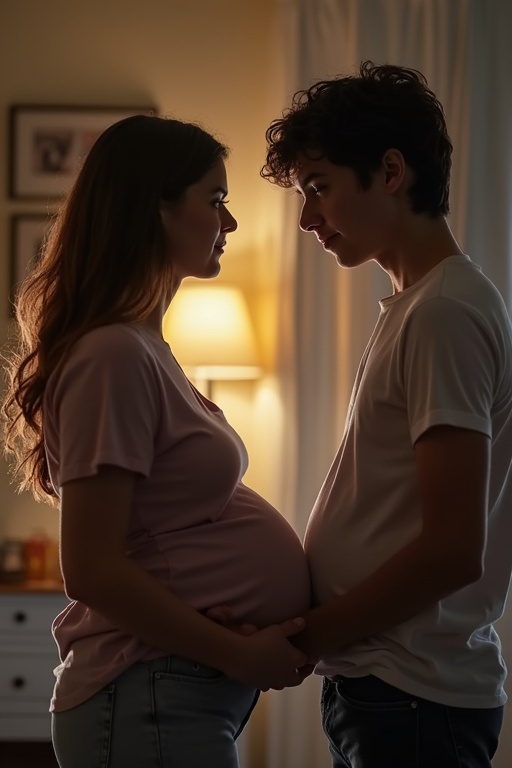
(325, 240)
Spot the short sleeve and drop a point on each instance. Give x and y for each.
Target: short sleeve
(449, 367)
(103, 407)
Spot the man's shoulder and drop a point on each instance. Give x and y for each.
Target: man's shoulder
(457, 285)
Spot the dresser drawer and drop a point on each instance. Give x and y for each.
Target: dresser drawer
(28, 656)
(26, 681)
(29, 614)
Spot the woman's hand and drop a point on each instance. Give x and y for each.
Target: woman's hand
(222, 614)
(266, 659)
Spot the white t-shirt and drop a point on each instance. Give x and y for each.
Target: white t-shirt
(441, 353)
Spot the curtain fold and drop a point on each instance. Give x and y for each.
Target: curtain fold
(327, 314)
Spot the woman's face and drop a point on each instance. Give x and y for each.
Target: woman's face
(196, 227)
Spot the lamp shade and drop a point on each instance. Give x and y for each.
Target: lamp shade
(209, 330)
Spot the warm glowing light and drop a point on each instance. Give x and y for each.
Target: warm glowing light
(209, 330)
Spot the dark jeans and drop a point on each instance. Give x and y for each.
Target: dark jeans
(371, 724)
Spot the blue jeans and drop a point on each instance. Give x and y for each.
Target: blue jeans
(370, 724)
(167, 713)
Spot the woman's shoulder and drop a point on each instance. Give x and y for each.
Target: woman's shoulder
(116, 339)
(118, 348)
(118, 353)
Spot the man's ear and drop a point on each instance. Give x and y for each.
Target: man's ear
(395, 169)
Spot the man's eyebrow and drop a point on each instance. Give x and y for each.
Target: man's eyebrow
(303, 183)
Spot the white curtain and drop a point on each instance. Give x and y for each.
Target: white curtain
(463, 47)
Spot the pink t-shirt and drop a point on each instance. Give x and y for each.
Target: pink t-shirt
(122, 399)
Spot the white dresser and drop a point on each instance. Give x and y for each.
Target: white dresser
(28, 656)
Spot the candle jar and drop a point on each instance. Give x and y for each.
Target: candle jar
(13, 564)
(35, 553)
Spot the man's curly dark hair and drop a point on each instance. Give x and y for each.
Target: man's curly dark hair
(352, 121)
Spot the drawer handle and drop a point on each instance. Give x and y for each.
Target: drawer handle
(18, 682)
(19, 617)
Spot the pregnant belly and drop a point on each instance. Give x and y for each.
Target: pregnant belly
(250, 559)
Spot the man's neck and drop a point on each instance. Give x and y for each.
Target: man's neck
(422, 244)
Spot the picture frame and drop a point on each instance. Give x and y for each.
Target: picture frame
(48, 144)
(27, 235)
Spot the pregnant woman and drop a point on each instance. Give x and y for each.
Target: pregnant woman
(156, 524)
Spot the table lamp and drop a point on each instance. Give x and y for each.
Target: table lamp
(209, 330)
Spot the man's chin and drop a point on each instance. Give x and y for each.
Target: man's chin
(346, 262)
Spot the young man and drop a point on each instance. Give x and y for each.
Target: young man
(409, 540)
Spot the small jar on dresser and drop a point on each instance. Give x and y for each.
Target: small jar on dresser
(28, 656)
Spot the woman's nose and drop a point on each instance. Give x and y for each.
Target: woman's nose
(229, 223)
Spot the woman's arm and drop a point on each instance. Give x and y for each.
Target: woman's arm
(95, 514)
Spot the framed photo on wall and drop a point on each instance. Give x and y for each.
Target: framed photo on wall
(49, 143)
(27, 234)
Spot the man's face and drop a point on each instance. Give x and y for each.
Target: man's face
(354, 224)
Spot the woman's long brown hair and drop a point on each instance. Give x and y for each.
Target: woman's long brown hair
(104, 261)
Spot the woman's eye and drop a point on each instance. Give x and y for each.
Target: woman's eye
(218, 203)
(317, 190)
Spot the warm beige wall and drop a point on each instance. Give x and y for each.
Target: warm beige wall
(203, 60)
